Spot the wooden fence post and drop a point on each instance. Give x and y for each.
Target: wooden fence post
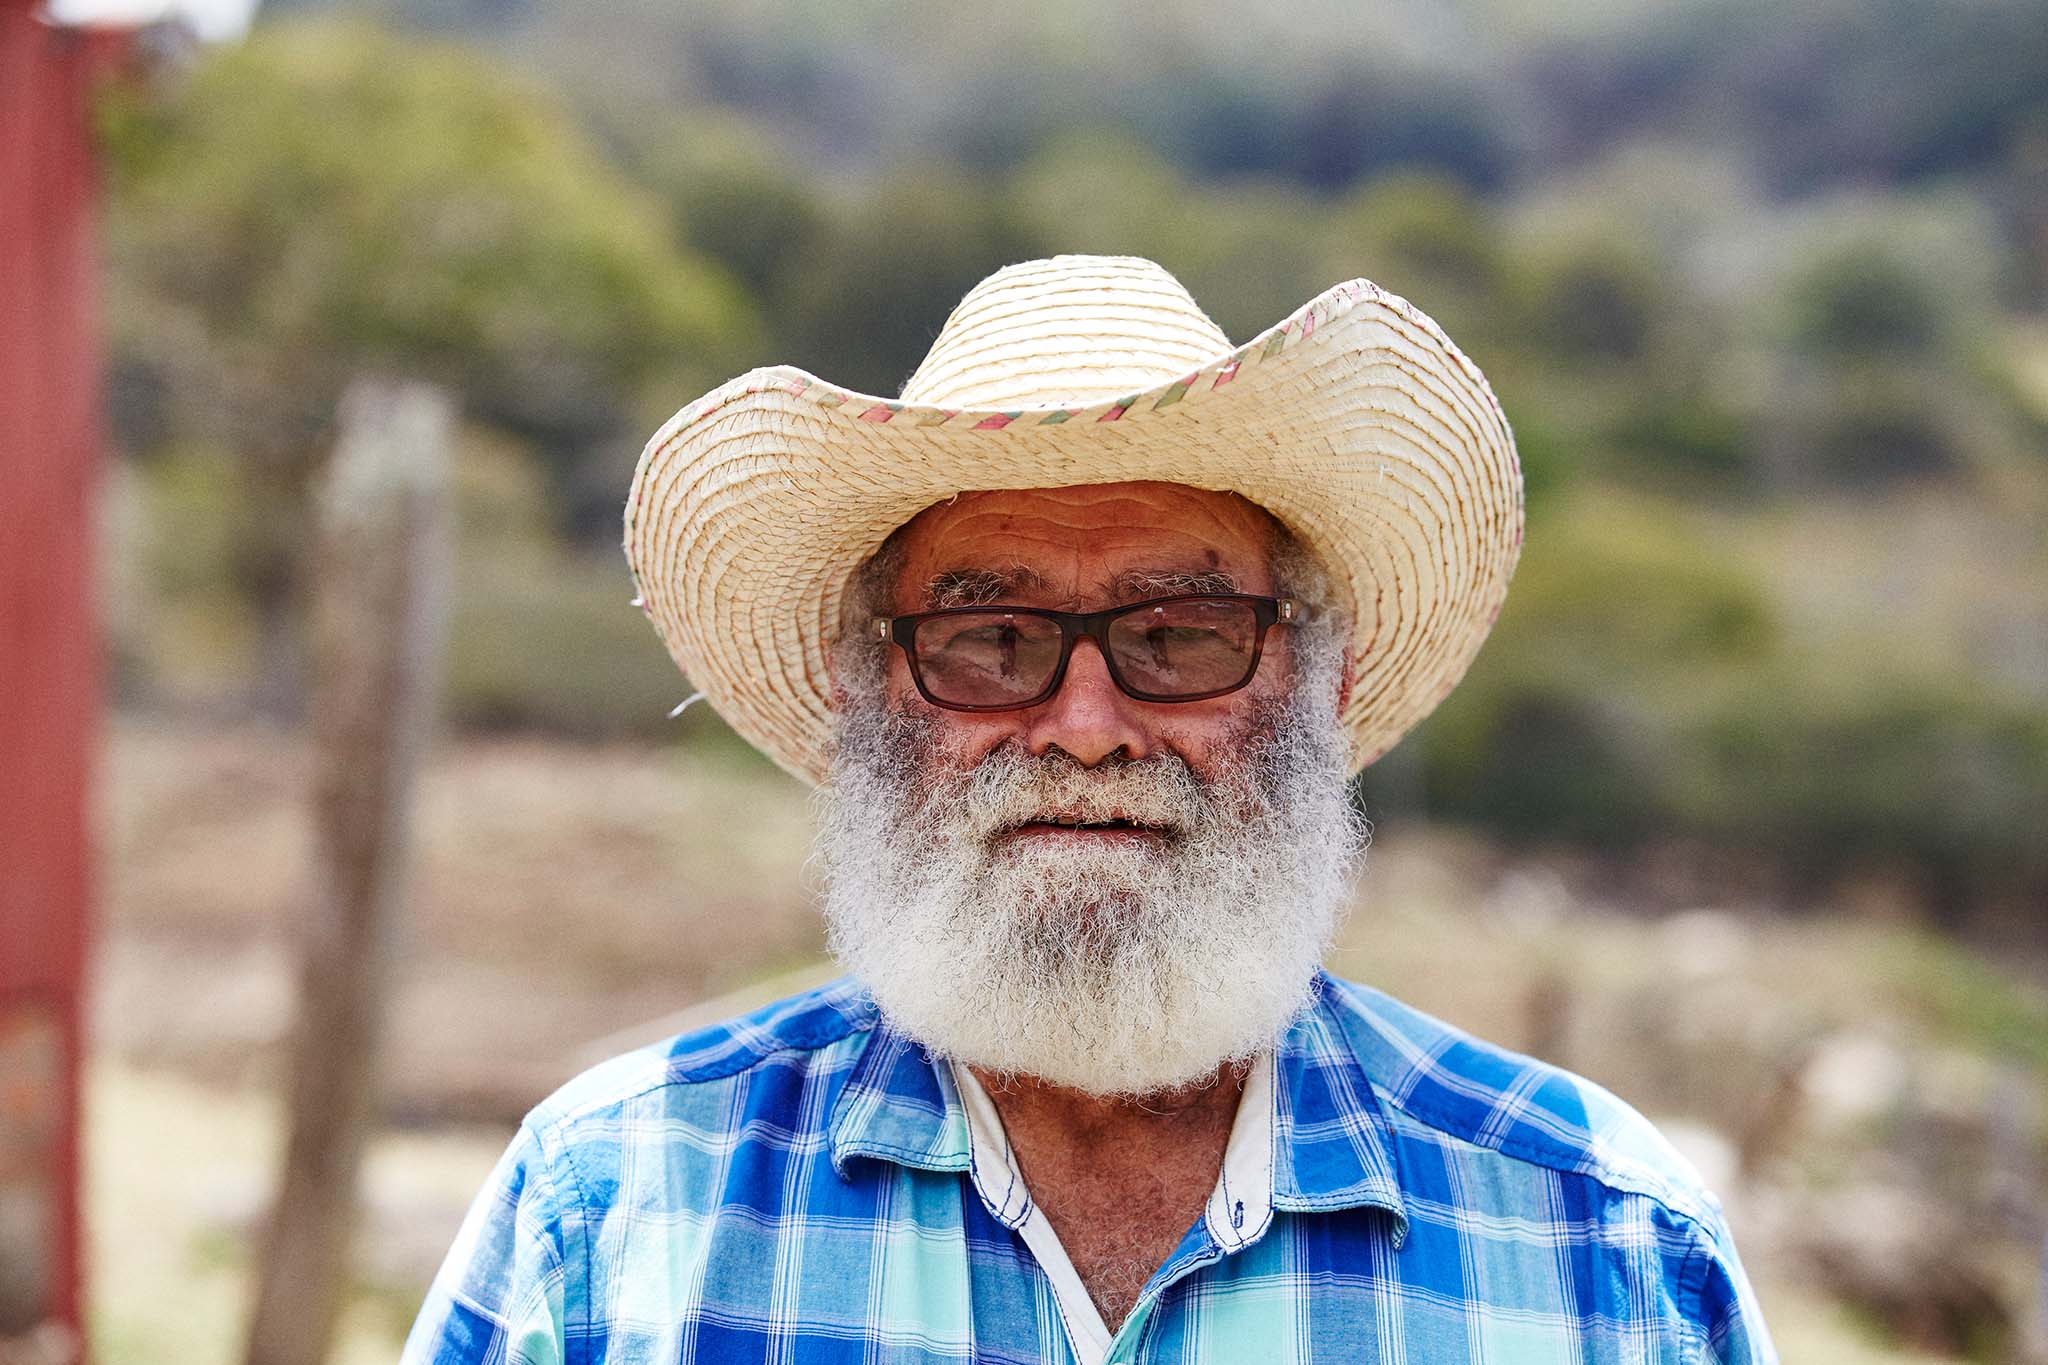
(379, 608)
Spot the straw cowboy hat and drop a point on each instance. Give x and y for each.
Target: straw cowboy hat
(1354, 420)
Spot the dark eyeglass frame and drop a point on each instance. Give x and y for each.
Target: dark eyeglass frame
(1267, 612)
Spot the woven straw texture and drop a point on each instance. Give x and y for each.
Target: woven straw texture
(1354, 420)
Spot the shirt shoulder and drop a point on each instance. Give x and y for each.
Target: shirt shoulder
(800, 1036)
(610, 1169)
(1433, 1074)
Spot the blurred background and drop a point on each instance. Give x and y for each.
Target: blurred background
(1742, 811)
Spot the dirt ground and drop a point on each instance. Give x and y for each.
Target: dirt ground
(569, 902)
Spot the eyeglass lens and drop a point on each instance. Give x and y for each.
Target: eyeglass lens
(1172, 649)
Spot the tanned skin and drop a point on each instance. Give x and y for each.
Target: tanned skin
(1120, 1182)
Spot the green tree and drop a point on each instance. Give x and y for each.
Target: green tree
(325, 200)
(736, 195)
(1058, 195)
(1592, 300)
(1883, 325)
(1620, 618)
(1861, 300)
(1426, 237)
(862, 303)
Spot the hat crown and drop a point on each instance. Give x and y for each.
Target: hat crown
(1068, 331)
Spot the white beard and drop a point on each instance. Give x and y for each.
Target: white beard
(1127, 969)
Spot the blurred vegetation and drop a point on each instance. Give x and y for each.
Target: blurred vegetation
(332, 200)
(1762, 298)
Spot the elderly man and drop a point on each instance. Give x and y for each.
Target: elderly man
(1082, 637)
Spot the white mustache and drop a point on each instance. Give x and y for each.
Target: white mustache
(1008, 790)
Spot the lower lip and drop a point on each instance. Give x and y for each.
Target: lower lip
(1075, 834)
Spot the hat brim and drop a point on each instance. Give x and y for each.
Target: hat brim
(1355, 421)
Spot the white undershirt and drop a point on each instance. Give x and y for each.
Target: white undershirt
(1236, 1214)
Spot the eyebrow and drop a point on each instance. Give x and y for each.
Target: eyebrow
(981, 586)
(1143, 582)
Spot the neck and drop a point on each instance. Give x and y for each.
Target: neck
(1120, 1179)
(1084, 1117)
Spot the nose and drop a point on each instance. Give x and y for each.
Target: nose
(1089, 717)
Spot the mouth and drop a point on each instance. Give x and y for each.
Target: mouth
(1074, 828)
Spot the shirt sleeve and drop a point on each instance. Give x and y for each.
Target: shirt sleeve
(1730, 1322)
(498, 1297)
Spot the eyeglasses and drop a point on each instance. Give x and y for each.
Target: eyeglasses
(1001, 658)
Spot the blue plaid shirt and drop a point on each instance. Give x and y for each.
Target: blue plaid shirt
(800, 1186)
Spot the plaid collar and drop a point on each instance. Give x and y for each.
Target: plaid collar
(1331, 1148)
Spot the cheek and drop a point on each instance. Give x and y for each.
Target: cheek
(958, 739)
(1211, 736)
(1207, 742)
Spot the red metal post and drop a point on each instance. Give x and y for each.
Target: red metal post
(49, 665)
